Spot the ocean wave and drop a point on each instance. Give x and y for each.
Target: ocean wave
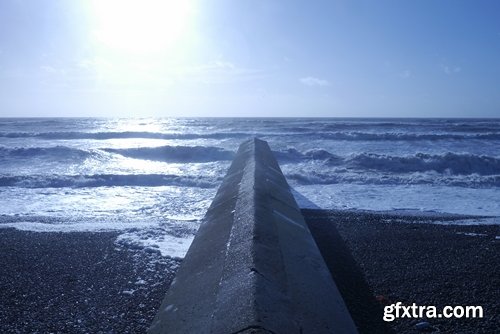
(388, 136)
(124, 134)
(474, 127)
(431, 178)
(56, 151)
(291, 131)
(175, 153)
(450, 163)
(161, 153)
(292, 155)
(106, 180)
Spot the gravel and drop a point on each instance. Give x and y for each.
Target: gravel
(378, 259)
(87, 283)
(78, 283)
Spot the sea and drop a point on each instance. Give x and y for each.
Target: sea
(152, 179)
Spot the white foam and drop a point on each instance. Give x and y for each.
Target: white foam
(472, 221)
(473, 234)
(164, 219)
(153, 236)
(110, 204)
(167, 245)
(74, 227)
(416, 198)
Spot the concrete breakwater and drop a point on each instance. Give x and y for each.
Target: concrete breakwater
(253, 266)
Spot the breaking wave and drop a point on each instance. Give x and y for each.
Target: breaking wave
(124, 134)
(467, 181)
(56, 151)
(175, 153)
(448, 163)
(106, 180)
(291, 131)
(367, 136)
(292, 155)
(163, 153)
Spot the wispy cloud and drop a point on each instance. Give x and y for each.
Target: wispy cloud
(451, 69)
(312, 81)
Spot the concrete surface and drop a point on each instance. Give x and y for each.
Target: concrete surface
(253, 266)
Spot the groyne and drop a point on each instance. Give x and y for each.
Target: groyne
(253, 266)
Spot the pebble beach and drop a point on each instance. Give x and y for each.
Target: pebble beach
(84, 282)
(378, 259)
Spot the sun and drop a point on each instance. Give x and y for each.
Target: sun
(140, 27)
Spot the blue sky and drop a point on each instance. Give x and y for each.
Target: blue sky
(250, 58)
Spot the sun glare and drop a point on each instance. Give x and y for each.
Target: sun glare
(140, 27)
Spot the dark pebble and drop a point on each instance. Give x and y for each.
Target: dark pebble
(75, 283)
(376, 260)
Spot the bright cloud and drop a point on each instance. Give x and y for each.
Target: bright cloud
(312, 81)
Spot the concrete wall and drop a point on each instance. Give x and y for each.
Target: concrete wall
(253, 266)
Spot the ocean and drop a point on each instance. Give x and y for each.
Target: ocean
(154, 179)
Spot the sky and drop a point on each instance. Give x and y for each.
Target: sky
(162, 58)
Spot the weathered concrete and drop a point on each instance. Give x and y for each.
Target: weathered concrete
(253, 266)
